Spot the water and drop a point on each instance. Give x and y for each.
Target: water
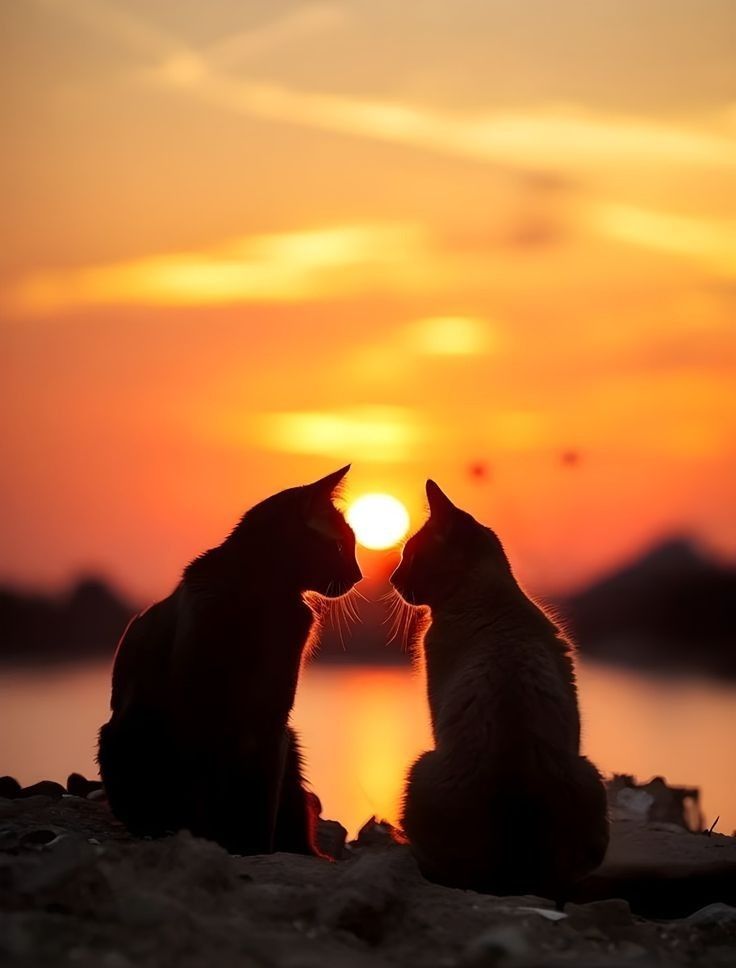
(362, 727)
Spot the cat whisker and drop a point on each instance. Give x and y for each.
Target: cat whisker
(410, 626)
(391, 617)
(392, 611)
(339, 616)
(350, 607)
(345, 614)
(397, 620)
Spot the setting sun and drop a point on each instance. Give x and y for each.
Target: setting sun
(379, 520)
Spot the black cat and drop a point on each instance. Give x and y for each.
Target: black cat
(204, 682)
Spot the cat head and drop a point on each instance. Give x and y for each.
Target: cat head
(450, 553)
(304, 538)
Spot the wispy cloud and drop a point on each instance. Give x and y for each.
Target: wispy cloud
(570, 137)
(707, 241)
(548, 136)
(280, 267)
(376, 433)
(334, 261)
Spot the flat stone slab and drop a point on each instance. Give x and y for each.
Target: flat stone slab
(667, 850)
(664, 870)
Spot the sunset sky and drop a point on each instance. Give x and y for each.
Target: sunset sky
(243, 243)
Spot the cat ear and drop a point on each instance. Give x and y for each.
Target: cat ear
(440, 506)
(326, 486)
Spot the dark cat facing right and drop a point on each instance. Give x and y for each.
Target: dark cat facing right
(504, 803)
(204, 681)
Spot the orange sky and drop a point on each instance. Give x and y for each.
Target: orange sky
(244, 243)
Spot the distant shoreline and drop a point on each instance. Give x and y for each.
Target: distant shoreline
(668, 611)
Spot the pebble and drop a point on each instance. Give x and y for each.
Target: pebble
(613, 912)
(496, 946)
(45, 788)
(549, 913)
(714, 914)
(80, 786)
(375, 833)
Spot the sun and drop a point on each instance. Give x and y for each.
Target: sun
(378, 520)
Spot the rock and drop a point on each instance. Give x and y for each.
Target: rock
(655, 801)
(720, 914)
(611, 913)
(632, 804)
(549, 914)
(377, 834)
(606, 920)
(331, 837)
(716, 922)
(368, 897)
(663, 870)
(79, 786)
(9, 787)
(45, 788)
(496, 946)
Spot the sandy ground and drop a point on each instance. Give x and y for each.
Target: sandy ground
(76, 890)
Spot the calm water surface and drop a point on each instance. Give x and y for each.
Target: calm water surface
(362, 727)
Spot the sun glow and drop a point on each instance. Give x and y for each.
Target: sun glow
(379, 520)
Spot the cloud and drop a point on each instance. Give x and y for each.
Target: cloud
(451, 336)
(280, 267)
(708, 241)
(568, 137)
(382, 434)
(362, 258)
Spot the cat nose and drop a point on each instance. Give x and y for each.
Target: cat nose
(357, 575)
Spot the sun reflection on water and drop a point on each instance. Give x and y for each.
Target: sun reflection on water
(362, 727)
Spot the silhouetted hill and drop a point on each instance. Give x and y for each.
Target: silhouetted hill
(671, 609)
(86, 621)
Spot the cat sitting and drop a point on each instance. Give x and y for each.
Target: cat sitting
(504, 803)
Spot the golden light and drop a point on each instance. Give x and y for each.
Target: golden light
(452, 336)
(378, 520)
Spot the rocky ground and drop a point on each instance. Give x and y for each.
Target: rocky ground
(76, 890)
